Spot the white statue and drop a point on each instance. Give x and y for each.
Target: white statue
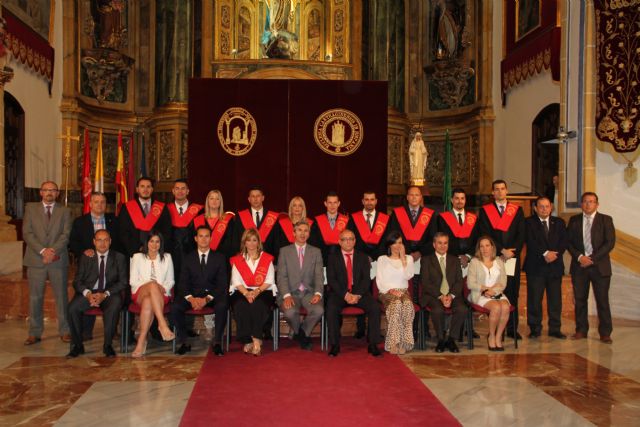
(418, 155)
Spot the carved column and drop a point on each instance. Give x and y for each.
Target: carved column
(7, 231)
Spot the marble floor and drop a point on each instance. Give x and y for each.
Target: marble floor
(544, 382)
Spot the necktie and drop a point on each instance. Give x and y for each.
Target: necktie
(444, 286)
(180, 210)
(49, 212)
(349, 272)
(414, 215)
(101, 274)
(501, 209)
(257, 219)
(301, 259)
(546, 227)
(369, 221)
(145, 208)
(588, 248)
(203, 262)
(460, 219)
(332, 222)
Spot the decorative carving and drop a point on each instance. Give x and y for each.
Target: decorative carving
(6, 75)
(104, 75)
(167, 156)
(338, 21)
(184, 171)
(394, 160)
(313, 35)
(244, 33)
(225, 16)
(450, 79)
(224, 43)
(464, 162)
(338, 47)
(474, 160)
(152, 155)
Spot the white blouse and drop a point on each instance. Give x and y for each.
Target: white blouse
(141, 271)
(391, 274)
(237, 280)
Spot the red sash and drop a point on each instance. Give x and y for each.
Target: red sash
(265, 227)
(217, 225)
(287, 226)
(182, 221)
(370, 237)
(503, 222)
(331, 237)
(252, 279)
(139, 220)
(413, 234)
(460, 231)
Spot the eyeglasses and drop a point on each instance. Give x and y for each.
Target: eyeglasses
(49, 190)
(348, 239)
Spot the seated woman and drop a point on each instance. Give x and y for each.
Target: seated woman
(392, 278)
(252, 290)
(151, 278)
(219, 221)
(486, 280)
(297, 212)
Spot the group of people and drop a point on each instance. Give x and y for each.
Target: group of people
(310, 267)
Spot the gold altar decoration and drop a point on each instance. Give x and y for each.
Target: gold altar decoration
(66, 161)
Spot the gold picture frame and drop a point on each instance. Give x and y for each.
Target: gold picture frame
(528, 14)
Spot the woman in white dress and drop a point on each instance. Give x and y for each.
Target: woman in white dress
(151, 279)
(486, 280)
(392, 278)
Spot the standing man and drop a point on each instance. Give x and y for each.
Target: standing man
(350, 285)
(46, 230)
(325, 232)
(460, 225)
(182, 214)
(591, 240)
(546, 242)
(204, 281)
(504, 223)
(265, 221)
(301, 284)
(99, 282)
(442, 285)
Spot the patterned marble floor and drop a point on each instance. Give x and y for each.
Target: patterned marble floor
(544, 382)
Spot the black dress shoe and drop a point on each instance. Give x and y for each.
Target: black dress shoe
(498, 349)
(475, 334)
(534, 334)
(191, 333)
(305, 343)
(184, 348)
(442, 344)
(76, 350)
(109, 351)
(217, 350)
(558, 334)
(451, 344)
(359, 334)
(335, 350)
(374, 350)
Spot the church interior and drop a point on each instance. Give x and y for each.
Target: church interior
(542, 94)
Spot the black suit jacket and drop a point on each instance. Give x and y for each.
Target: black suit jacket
(116, 273)
(270, 246)
(213, 281)
(81, 237)
(512, 238)
(603, 239)
(538, 244)
(337, 274)
(458, 246)
(132, 239)
(425, 244)
(431, 276)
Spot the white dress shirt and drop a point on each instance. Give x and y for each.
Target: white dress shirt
(140, 272)
(184, 207)
(253, 214)
(95, 285)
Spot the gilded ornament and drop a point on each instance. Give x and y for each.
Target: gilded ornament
(237, 131)
(338, 132)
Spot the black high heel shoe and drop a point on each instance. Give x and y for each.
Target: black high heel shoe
(489, 346)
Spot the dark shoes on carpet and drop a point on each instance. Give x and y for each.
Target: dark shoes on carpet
(183, 349)
(558, 334)
(217, 350)
(335, 350)
(535, 334)
(442, 344)
(359, 334)
(606, 339)
(447, 344)
(108, 351)
(76, 350)
(374, 350)
(305, 341)
(578, 336)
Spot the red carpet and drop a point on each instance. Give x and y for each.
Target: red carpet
(301, 388)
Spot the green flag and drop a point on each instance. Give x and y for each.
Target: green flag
(446, 186)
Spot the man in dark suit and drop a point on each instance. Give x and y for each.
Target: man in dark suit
(82, 236)
(99, 282)
(592, 237)
(301, 284)
(504, 223)
(203, 281)
(326, 229)
(442, 286)
(461, 226)
(260, 218)
(546, 242)
(349, 280)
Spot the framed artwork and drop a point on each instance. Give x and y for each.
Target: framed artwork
(528, 17)
(37, 14)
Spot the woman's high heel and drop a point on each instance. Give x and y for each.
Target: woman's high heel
(167, 336)
(489, 346)
(137, 355)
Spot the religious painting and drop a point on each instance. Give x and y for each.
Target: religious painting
(527, 17)
(448, 21)
(37, 14)
(314, 34)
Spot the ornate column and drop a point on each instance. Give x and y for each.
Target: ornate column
(7, 231)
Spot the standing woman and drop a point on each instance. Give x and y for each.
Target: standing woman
(392, 278)
(297, 212)
(219, 221)
(486, 280)
(151, 278)
(252, 290)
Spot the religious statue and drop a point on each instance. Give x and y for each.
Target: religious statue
(418, 155)
(447, 26)
(278, 38)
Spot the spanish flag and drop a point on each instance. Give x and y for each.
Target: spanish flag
(98, 182)
(121, 179)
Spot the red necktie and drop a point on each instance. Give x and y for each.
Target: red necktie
(49, 212)
(349, 272)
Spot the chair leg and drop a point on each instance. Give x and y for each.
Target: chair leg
(515, 330)
(323, 336)
(276, 321)
(469, 327)
(125, 330)
(228, 328)
(423, 325)
(173, 343)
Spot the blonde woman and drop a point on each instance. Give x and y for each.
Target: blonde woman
(252, 290)
(297, 212)
(487, 280)
(219, 221)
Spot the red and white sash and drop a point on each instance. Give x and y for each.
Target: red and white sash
(265, 226)
(217, 225)
(370, 236)
(460, 231)
(141, 222)
(408, 231)
(250, 278)
(331, 236)
(503, 222)
(182, 221)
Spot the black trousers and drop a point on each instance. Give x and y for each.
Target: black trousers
(110, 310)
(581, 279)
(536, 287)
(459, 312)
(251, 318)
(512, 291)
(180, 306)
(371, 308)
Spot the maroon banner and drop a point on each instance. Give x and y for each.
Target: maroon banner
(28, 47)
(617, 59)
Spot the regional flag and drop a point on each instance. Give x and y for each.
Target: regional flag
(121, 179)
(99, 177)
(86, 173)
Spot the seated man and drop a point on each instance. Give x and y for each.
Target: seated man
(442, 289)
(203, 282)
(301, 282)
(349, 281)
(99, 282)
